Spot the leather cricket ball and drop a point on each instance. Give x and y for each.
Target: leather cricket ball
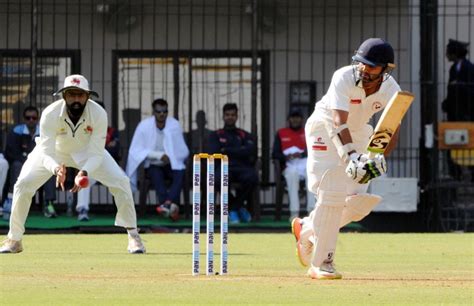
(82, 181)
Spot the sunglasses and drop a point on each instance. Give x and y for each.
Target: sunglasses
(161, 111)
(31, 118)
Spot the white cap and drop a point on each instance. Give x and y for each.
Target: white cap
(76, 81)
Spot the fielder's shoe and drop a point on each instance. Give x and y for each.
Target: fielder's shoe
(244, 215)
(11, 246)
(325, 271)
(83, 216)
(135, 244)
(49, 211)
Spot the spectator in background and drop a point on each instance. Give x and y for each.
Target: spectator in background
(290, 149)
(240, 147)
(198, 139)
(20, 143)
(3, 173)
(112, 145)
(459, 102)
(159, 142)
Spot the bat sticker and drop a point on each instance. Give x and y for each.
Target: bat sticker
(380, 140)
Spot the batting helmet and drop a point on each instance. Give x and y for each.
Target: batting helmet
(375, 52)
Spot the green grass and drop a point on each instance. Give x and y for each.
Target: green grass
(395, 269)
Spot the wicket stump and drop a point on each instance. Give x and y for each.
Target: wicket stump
(210, 211)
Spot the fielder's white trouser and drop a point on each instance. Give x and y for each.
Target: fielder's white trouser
(34, 174)
(84, 196)
(293, 178)
(3, 173)
(323, 160)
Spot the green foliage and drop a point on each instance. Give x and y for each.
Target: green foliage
(400, 269)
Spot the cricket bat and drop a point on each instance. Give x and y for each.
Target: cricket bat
(389, 121)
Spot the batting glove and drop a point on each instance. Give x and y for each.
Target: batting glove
(377, 166)
(357, 168)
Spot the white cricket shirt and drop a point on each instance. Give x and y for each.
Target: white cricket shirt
(344, 94)
(84, 142)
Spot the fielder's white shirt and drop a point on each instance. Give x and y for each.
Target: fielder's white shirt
(84, 141)
(344, 94)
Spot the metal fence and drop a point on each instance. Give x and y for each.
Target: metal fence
(264, 55)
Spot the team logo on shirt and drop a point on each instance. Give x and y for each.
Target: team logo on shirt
(319, 145)
(376, 106)
(88, 130)
(62, 131)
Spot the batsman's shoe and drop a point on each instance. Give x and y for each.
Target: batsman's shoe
(325, 271)
(296, 227)
(304, 245)
(135, 245)
(11, 246)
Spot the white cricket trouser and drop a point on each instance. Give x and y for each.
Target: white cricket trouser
(84, 196)
(33, 175)
(293, 178)
(323, 157)
(3, 173)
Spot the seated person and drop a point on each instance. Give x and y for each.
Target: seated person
(290, 149)
(20, 143)
(241, 149)
(112, 145)
(198, 138)
(3, 174)
(158, 141)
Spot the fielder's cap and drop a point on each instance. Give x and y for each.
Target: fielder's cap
(375, 52)
(76, 81)
(295, 111)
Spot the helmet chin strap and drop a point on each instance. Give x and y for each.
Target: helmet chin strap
(382, 77)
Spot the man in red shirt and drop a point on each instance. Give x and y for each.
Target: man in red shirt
(290, 149)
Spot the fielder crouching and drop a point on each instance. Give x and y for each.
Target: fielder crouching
(72, 134)
(338, 169)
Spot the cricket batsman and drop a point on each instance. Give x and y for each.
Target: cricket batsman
(72, 134)
(338, 167)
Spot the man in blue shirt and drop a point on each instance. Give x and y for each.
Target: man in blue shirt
(20, 143)
(241, 149)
